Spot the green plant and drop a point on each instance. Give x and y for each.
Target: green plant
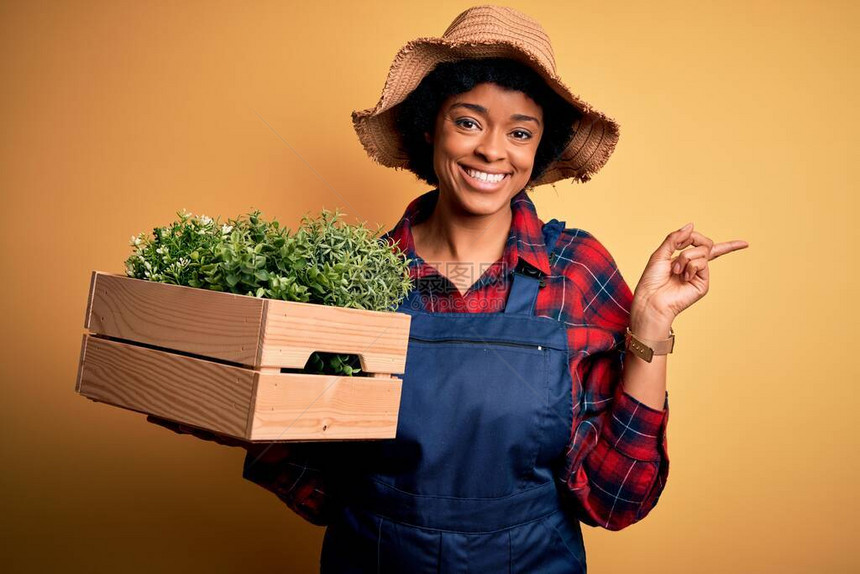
(326, 262)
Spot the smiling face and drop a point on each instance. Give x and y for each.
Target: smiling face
(484, 147)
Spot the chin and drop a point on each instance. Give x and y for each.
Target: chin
(483, 203)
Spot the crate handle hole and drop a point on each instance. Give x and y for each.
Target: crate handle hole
(320, 362)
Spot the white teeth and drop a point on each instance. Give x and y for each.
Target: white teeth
(488, 177)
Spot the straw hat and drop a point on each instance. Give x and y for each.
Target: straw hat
(485, 32)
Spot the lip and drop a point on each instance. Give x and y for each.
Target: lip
(483, 185)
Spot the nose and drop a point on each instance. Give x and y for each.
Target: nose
(491, 146)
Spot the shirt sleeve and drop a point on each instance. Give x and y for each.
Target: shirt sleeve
(290, 471)
(616, 464)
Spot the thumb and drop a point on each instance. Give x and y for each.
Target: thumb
(673, 242)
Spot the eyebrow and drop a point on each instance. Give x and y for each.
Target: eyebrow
(483, 110)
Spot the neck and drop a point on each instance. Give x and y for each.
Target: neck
(451, 234)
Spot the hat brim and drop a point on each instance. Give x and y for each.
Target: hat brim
(595, 133)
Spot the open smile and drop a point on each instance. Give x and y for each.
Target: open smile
(483, 181)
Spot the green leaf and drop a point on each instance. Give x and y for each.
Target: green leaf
(326, 261)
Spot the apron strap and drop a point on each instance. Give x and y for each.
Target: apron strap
(523, 295)
(551, 231)
(527, 279)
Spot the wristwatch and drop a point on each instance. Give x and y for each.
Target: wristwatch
(645, 348)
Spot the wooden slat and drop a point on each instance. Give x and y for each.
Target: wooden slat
(293, 406)
(197, 392)
(292, 331)
(240, 402)
(251, 331)
(84, 340)
(213, 324)
(90, 294)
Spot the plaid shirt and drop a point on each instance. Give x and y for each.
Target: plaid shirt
(616, 463)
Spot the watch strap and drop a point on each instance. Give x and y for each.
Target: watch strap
(647, 348)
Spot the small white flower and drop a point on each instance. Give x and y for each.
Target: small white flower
(205, 220)
(226, 228)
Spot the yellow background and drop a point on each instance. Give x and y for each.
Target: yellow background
(738, 115)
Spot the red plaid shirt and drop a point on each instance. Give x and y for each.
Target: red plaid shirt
(616, 463)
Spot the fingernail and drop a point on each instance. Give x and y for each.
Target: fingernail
(676, 268)
(688, 226)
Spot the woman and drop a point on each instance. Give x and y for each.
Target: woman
(534, 396)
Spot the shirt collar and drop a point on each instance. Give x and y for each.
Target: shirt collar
(525, 240)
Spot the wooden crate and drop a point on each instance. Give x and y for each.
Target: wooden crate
(213, 360)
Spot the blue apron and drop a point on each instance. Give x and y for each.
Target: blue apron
(468, 484)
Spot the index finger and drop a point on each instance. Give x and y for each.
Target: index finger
(727, 247)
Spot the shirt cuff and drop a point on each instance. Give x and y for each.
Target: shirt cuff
(636, 429)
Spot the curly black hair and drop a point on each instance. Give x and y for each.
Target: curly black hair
(417, 113)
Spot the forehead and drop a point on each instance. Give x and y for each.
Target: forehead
(497, 100)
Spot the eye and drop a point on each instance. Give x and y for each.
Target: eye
(463, 121)
(527, 135)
